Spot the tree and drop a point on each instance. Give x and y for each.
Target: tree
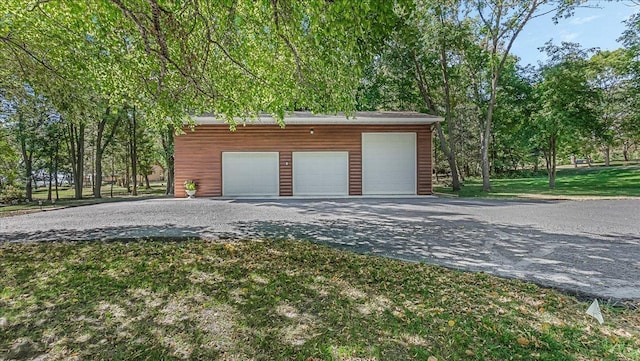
(167, 139)
(631, 125)
(8, 159)
(417, 69)
(608, 71)
(105, 132)
(27, 114)
(233, 58)
(566, 101)
(499, 25)
(440, 22)
(147, 154)
(132, 128)
(75, 138)
(512, 132)
(175, 59)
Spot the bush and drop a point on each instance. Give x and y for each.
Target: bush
(11, 195)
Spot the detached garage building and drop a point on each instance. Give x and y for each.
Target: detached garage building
(377, 153)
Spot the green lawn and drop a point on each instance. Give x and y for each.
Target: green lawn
(622, 181)
(66, 199)
(282, 300)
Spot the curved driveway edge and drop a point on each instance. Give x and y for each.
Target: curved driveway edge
(588, 248)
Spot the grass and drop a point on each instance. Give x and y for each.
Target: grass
(623, 181)
(66, 199)
(282, 300)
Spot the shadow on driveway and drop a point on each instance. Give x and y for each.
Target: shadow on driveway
(434, 231)
(583, 266)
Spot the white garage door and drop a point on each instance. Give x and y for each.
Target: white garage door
(389, 163)
(320, 173)
(250, 174)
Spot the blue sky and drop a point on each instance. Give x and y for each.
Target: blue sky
(589, 27)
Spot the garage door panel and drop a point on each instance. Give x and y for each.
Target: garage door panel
(250, 174)
(389, 163)
(320, 173)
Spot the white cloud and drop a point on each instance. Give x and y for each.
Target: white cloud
(568, 37)
(583, 20)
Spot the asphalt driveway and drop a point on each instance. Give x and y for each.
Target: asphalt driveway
(590, 248)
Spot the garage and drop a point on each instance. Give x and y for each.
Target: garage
(316, 155)
(320, 173)
(252, 174)
(389, 163)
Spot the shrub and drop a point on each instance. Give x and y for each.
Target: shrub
(11, 195)
(190, 185)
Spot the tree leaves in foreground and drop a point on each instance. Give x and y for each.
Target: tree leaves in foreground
(170, 60)
(232, 58)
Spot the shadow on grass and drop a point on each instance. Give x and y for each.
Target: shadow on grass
(124, 233)
(582, 266)
(273, 301)
(34, 207)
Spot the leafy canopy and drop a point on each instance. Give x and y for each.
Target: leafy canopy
(234, 58)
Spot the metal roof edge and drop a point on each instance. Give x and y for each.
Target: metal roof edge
(308, 118)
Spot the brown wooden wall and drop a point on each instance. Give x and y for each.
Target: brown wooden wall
(198, 154)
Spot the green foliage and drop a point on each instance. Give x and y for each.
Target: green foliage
(8, 159)
(567, 103)
(513, 131)
(12, 195)
(176, 58)
(631, 41)
(190, 185)
(173, 59)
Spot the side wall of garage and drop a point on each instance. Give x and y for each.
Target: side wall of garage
(198, 153)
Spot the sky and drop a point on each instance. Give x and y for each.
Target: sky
(590, 27)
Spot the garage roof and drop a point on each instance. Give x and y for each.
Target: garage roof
(377, 117)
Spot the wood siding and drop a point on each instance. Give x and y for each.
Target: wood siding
(198, 154)
(286, 173)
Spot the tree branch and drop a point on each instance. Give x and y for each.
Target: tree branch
(13, 44)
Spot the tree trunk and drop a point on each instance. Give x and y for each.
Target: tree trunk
(55, 165)
(455, 179)
(447, 149)
(552, 162)
(625, 150)
(75, 139)
(127, 172)
(27, 158)
(100, 148)
(97, 184)
(451, 156)
(502, 48)
(167, 146)
(607, 156)
(485, 139)
(92, 174)
(28, 169)
(547, 161)
(134, 155)
(50, 175)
